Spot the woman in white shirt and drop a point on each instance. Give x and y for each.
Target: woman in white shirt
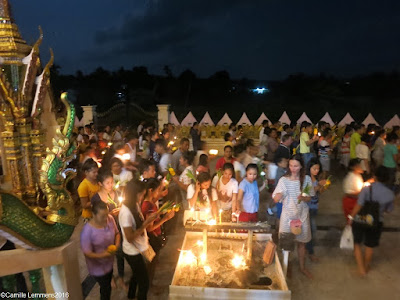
(227, 190)
(120, 174)
(352, 185)
(183, 181)
(135, 240)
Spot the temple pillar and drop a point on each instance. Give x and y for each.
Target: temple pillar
(37, 141)
(163, 115)
(24, 130)
(13, 156)
(89, 114)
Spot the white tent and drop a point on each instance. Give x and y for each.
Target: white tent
(244, 120)
(284, 119)
(303, 118)
(225, 120)
(207, 120)
(188, 120)
(327, 118)
(346, 120)
(370, 120)
(173, 119)
(261, 119)
(78, 123)
(395, 121)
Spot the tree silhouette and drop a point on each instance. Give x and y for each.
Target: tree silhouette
(168, 71)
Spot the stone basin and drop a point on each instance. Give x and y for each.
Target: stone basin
(217, 278)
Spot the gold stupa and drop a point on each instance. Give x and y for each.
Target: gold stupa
(12, 47)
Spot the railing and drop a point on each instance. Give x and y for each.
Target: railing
(217, 132)
(60, 270)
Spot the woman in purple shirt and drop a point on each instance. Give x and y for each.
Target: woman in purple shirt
(96, 236)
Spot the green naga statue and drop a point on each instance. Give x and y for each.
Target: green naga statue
(33, 175)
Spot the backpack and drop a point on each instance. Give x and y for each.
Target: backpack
(368, 216)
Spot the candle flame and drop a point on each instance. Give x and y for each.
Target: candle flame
(120, 199)
(212, 222)
(207, 270)
(109, 144)
(199, 243)
(188, 258)
(238, 262)
(126, 156)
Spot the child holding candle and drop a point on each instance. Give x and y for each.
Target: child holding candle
(313, 170)
(106, 193)
(248, 196)
(227, 190)
(88, 187)
(153, 194)
(121, 175)
(202, 195)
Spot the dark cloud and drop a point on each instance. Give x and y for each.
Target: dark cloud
(250, 38)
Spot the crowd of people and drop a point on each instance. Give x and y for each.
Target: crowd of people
(126, 175)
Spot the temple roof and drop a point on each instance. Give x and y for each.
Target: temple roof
(12, 47)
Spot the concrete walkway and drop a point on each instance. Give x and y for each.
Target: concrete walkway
(334, 275)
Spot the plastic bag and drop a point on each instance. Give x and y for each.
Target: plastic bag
(347, 241)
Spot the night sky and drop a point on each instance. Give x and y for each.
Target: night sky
(265, 39)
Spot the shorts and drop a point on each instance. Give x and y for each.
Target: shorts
(248, 217)
(370, 236)
(325, 163)
(348, 205)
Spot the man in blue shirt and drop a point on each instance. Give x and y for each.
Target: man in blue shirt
(371, 236)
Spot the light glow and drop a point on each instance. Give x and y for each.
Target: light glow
(212, 222)
(213, 152)
(203, 257)
(238, 261)
(188, 258)
(207, 270)
(126, 156)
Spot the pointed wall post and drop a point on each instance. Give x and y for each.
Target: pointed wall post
(163, 115)
(89, 114)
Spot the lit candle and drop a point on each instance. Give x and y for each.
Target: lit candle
(109, 144)
(213, 152)
(120, 199)
(126, 156)
(220, 216)
(192, 213)
(207, 270)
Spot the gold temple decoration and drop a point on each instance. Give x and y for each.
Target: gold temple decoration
(22, 93)
(12, 47)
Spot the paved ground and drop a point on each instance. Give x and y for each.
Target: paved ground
(335, 273)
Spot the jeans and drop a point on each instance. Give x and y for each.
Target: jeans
(105, 285)
(306, 158)
(120, 257)
(139, 277)
(310, 245)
